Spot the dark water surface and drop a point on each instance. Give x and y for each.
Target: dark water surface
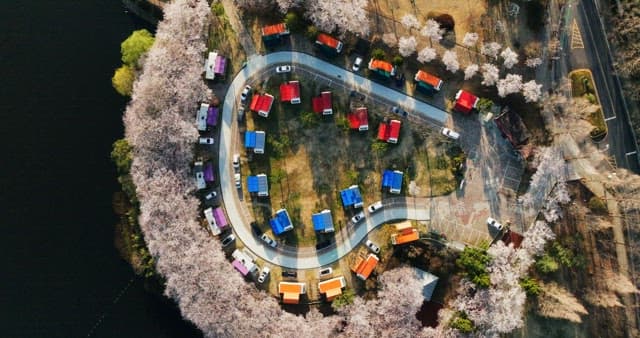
(60, 274)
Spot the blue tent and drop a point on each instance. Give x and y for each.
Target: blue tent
(392, 180)
(322, 221)
(252, 184)
(351, 197)
(281, 222)
(250, 139)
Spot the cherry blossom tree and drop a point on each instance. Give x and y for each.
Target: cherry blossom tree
(470, 71)
(343, 15)
(285, 5)
(409, 21)
(407, 45)
(450, 60)
(432, 30)
(426, 55)
(512, 83)
(533, 62)
(491, 49)
(532, 91)
(470, 39)
(510, 57)
(390, 39)
(490, 74)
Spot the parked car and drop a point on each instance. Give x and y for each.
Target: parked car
(206, 140)
(245, 94)
(263, 274)
(289, 273)
(374, 248)
(375, 207)
(356, 64)
(228, 240)
(325, 272)
(256, 229)
(450, 133)
(283, 69)
(236, 177)
(236, 161)
(211, 196)
(358, 217)
(240, 114)
(493, 223)
(270, 241)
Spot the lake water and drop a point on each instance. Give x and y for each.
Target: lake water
(61, 275)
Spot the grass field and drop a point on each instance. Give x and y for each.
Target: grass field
(582, 85)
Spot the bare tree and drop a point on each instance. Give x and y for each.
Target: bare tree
(390, 39)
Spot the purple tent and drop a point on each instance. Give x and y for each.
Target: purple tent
(240, 267)
(212, 116)
(220, 65)
(208, 172)
(221, 219)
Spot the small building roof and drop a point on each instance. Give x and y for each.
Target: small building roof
(332, 287)
(261, 104)
(281, 222)
(351, 197)
(433, 82)
(258, 184)
(365, 267)
(291, 291)
(465, 101)
(255, 140)
(329, 41)
(277, 29)
(405, 236)
(198, 170)
(392, 180)
(201, 117)
(383, 67)
(290, 92)
(322, 221)
(323, 104)
(243, 262)
(429, 282)
(512, 237)
(211, 221)
(359, 119)
(208, 172)
(389, 132)
(209, 65)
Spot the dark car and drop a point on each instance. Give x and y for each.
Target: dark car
(256, 229)
(323, 244)
(289, 273)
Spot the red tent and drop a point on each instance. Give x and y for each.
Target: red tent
(290, 92)
(323, 104)
(389, 132)
(359, 119)
(261, 104)
(465, 102)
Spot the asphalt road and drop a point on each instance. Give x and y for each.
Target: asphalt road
(238, 216)
(621, 141)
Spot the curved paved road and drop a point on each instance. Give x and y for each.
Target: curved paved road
(236, 213)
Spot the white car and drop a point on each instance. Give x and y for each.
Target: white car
(283, 69)
(374, 248)
(244, 94)
(211, 195)
(375, 207)
(236, 161)
(356, 64)
(206, 140)
(450, 133)
(264, 274)
(236, 177)
(358, 217)
(270, 241)
(493, 223)
(228, 240)
(325, 272)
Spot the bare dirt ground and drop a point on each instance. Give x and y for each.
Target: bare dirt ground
(583, 300)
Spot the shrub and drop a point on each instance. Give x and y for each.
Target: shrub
(484, 105)
(309, 119)
(398, 60)
(292, 19)
(343, 123)
(378, 54)
(446, 22)
(346, 298)
(461, 323)
(591, 98)
(122, 80)
(312, 32)
(530, 286)
(597, 205)
(547, 264)
(217, 9)
(474, 263)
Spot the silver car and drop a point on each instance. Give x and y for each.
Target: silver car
(264, 274)
(374, 248)
(283, 69)
(358, 217)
